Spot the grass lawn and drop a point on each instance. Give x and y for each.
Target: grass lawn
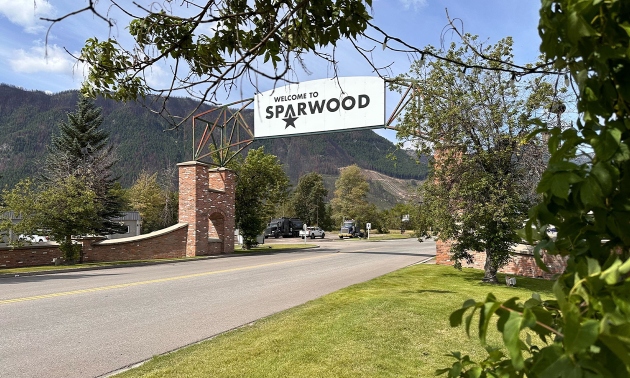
(393, 235)
(393, 326)
(52, 268)
(273, 247)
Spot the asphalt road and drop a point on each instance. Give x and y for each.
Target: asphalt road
(91, 323)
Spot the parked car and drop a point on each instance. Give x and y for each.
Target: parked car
(312, 232)
(33, 238)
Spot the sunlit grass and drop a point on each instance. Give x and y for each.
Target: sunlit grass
(52, 268)
(47, 268)
(273, 247)
(393, 326)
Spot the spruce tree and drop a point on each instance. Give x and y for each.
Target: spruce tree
(82, 150)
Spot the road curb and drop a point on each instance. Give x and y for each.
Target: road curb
(156, 262)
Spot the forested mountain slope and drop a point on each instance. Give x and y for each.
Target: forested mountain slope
(143, 141)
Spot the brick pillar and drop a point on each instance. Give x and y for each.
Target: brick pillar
(443, 252)
(222, 185)
(206, 201)
(193, 179)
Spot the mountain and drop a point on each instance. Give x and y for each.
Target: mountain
(143, 141)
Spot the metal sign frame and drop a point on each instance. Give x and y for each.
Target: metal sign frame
(235, 134)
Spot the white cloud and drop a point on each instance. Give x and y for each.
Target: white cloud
(415, 4)
(27, 13)
(39, 59)
(157, 77)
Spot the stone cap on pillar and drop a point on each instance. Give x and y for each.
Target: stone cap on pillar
(192, 162)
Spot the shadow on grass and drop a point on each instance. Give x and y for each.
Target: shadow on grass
(475, 276)
(427, 291)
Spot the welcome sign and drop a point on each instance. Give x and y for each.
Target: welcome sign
(320, 106)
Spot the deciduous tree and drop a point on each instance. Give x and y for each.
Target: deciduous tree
(475, 125)
(584, 329)
(154, 202)
(68, 208)
(351, 189)
(308, 199)
(260, 187)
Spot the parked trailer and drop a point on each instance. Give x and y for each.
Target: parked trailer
(284, 227)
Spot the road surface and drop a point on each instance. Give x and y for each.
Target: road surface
(91, 323)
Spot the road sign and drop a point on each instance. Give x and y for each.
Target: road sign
(368, 226)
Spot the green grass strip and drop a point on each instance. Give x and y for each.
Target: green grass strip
(52, 268)
(393, 326)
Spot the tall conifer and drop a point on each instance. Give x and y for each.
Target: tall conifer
(82, 150)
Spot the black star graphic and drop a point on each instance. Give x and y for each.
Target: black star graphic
(290, 121)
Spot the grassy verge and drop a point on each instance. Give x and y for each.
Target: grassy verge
(393, 234)
(273, 247)
(393, 326)
(390, 236)
(52, 268)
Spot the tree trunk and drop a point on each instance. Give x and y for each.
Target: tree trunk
(490, 269)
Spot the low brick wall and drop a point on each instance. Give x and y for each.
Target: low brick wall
(522, 262)
(30, 255)
(162, 244)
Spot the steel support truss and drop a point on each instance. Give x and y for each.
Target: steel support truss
(224, 137)
(226, 132)
(409, 93)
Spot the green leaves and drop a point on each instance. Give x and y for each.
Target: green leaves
(220, 43)
(589, 204)
(260, 187)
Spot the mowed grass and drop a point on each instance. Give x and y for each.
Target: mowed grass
(393, 326)
(274, 247)
(53, 268)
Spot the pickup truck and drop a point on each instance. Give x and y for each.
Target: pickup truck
(312, 232)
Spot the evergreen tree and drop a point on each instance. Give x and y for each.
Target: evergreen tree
(82, 150)
(308, 200)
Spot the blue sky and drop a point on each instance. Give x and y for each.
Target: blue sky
(28, 64)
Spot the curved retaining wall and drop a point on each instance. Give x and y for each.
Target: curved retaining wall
(522, 262)
(162, 244)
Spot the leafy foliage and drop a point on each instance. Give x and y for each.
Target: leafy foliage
(392, 218)
(351, 190)
(157, 204)
(476, 126)
(221, 41)
(260, 187)
(308, 199)
(69, 207)
(585, 330)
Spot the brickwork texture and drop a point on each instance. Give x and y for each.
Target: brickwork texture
(521, 264)
(206, 226)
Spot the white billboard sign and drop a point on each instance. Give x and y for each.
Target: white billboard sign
(319, 106)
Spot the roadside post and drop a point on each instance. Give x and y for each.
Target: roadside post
(305, 228)
(368, 226)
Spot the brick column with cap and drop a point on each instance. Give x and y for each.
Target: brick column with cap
(206, 203)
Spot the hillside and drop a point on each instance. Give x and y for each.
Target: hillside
(29, 118)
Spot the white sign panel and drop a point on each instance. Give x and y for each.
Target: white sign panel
(320, 106)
